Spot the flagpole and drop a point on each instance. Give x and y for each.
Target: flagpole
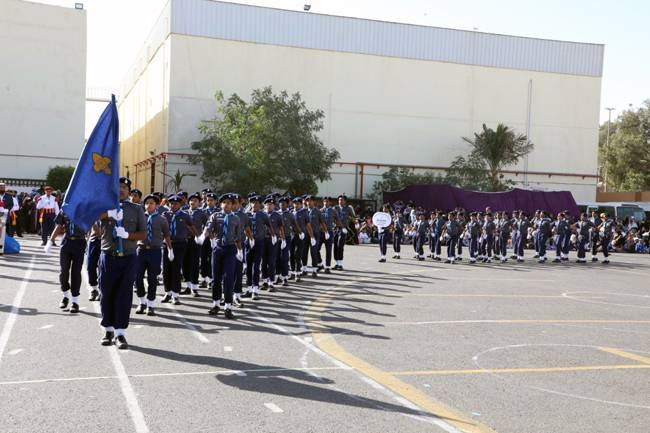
(118, 206)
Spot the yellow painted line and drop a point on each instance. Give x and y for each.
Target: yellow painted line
(519, 370)
(327, 344)
(627, 355)
(509, 321)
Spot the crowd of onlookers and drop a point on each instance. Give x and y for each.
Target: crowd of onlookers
(23, 217)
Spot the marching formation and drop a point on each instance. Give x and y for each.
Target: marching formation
(232, 245)
(487, 235)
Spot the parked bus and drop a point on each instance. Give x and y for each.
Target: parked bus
(616, 210)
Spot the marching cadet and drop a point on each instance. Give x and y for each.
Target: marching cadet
(204, 197)
(474, 230)
(347, 217)
(120, 231)
(398, 233)
(206, 250)
(561, 230)
(191, 264)
(246, 235)
(180, 223)
(291, 231)
(606, 230)
(136, 196)
(299, 244)
(514, 233)
(384, 234)
(460, 218)
(451, 232)
(271, 246)
(504, 234)
(334, 225)
(583, 228)
(48, 208)
(595, 234)
(489, 228)
(437, 226)
(224, 231)
(149, 255)
(535, 223)
(521, 228)
(421, 227)
(317, 226)
(544, 229)
(260, 226)
(92, 261)
(71, 258)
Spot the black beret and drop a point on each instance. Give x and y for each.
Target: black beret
(153, 197)
(224, 197)
(126, 181)
(210, 195)
(343, 196)
(136, 191)
(173, 197)
(196, 196)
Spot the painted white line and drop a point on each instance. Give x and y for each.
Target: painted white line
(372, 383)
(46, 327)
(189, 326)
(240, 373)
(273, 408)
(15, 351)
(56, 291)
(138, 326)
(15, 306)
(227, 349)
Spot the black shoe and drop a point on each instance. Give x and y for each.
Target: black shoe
(247, 295)
(213, 311)
(203, 285)
(64, 303)
(536, 256)
(606, 262)
(272, 289)
(141, 309)
(557, 261)
(291, 277)
(74, 308)
(151, 311)
(255, 297)
(43, 244)
(594, 259)
(327, 271)
(185, 291)
(520, 260)
(107, 340)
(195, 293)
(228, 313)
(265, 285)
(222, 303)
(285, 283)
(382, 260)
(314, 274)
(176, 301)
(120, 342)
(237, 303)
(94, 295)
(297, 278)
(166, 299)
(448, 261)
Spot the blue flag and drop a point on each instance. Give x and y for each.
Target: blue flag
(94, 187)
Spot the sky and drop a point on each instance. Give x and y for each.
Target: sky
(117, 30)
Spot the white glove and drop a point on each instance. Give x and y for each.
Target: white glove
(116, 214)
(274, 239)
(327, 236)
(312, 241)
(170, 254)
(199, 239)
(121, 232)
(301, 236)
(345, 231)
(48, 247)
(283, 244)
(251, 243)
(213, 243)
(356, 226)
(240, 255)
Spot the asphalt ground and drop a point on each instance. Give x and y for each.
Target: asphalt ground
(403, 346)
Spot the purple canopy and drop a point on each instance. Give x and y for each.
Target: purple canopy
(446, 197)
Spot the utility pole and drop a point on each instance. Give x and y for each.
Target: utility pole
(609, 122)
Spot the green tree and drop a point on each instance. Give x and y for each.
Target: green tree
(177, 179)
(58, 177)
(625, 163)
(268, 143)
(397, 178)
(469, 173)
(495, 149)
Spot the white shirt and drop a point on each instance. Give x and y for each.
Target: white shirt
(48, 202)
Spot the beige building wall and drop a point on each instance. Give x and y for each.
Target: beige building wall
(43, 87)
(387, 110)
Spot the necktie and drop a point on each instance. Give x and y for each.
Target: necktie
(150, 226)
(172, 226)
(254, 224)
(225, 228)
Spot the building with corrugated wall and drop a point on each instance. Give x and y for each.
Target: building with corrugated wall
(393, 94)
(42, 90)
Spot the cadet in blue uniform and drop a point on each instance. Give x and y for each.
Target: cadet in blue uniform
(191, 264)
(333, 225)
(120, 231)
(606, 230)
(301, 215)
(474, 230)
(247, 235)
(347, 217)
(149, 255)
(521, 227)
(291, 230)
(260, 226)
(595, 235)
(561, 230)
(206, 251)
(505, 226)
(180, 227)
(437, 226)
(398, 232)
(489, 228)
(317, 226)
(421, 230)
(384, 235)
(543, 231)
(71, 258)
(583, 229)
(274, 240)
(224, 231)
(136, 196)
(92, 261)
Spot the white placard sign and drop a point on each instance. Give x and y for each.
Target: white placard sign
(382, 219)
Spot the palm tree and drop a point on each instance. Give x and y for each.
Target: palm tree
(177, 179)
(498, 149)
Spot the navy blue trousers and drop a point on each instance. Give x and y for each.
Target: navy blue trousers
(116, 277)
(92, 261)
(329, 244)
(71, 259)
(223, 272)
(172, 270)
(191, 262)
(149, 262)
(270, 259)
(253, 261)
(284, 257)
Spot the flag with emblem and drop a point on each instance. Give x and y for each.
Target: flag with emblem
(94, 187)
